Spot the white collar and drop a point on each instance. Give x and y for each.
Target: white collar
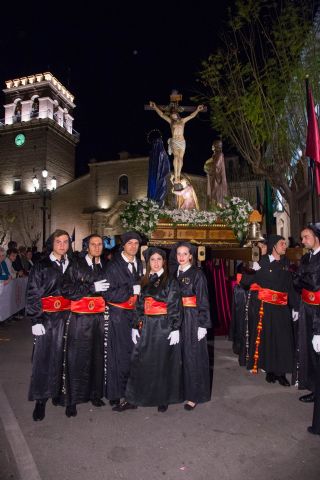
(184, 269)
(317, 250)
(90, 262)
(53, 258)
(127, 260)
(271, 258)
(159, 273)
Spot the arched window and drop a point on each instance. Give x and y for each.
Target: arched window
(35, 107)
(123, 185)
(17, 111)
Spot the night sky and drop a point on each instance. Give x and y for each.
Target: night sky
(114, 59)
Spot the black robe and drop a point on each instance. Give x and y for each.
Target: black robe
(84, 337)
(119, 343)
(195, 359)
(276, 350)
(156, 368)
(308, 277)
(243, 323)
(46, 380)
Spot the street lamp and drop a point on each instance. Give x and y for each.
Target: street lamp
(45, 193)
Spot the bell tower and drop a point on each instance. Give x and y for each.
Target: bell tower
(36, 133)
(37, 154)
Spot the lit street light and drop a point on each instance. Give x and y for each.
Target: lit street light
(45, 193)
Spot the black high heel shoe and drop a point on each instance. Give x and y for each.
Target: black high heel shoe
(97, 402)
(162, 408)
(71, 411)
(283, 381)
(270, 377)
(39, 411)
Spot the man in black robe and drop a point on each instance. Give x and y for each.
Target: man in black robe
(307, 281)
(84, 356)
(278, 305)
(123, 272)
(48, 311)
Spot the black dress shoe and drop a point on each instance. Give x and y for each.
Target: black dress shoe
(283, 380)
(270, 377)
(311, 430)
(124, 406)
(71, 411)
(162, 408)
(39, 411)
(97, 402)
(55, 401)
(114, 402)
(309, 398)
(189, 407)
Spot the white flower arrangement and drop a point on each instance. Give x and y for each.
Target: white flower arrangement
(191, 217)
(235, 213)
(143, 216)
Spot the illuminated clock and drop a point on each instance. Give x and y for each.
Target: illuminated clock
(19, 140)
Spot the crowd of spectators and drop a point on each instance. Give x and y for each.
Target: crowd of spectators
(16, 262)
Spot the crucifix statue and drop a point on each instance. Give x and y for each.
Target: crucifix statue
(176, 144)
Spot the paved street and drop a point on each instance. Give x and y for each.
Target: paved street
(249, 430)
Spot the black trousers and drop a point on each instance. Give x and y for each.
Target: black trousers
(316, 407)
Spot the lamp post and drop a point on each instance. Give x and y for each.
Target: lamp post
(45, 193)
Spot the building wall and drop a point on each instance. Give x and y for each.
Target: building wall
(45, 146)
(105, 179)
(69, 203)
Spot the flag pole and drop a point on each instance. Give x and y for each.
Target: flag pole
(311, 161)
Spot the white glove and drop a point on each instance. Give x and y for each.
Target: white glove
(316, 343)
(295, 315)
(135, 335)
(202, 332)
(38, 329)
(136, 289)
(256, 266)
(174, 337)
(101, 286)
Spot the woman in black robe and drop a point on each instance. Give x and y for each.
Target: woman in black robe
(196, 320)
(155, 374)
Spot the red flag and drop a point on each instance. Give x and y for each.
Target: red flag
(313, 139)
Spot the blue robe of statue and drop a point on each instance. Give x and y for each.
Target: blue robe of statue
(159, 167)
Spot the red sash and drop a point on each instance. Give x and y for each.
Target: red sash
(128, 305)
(313, 298)
(55, 304)
(271, 296)
(88, 305)
(189, 301)
(153, 307)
